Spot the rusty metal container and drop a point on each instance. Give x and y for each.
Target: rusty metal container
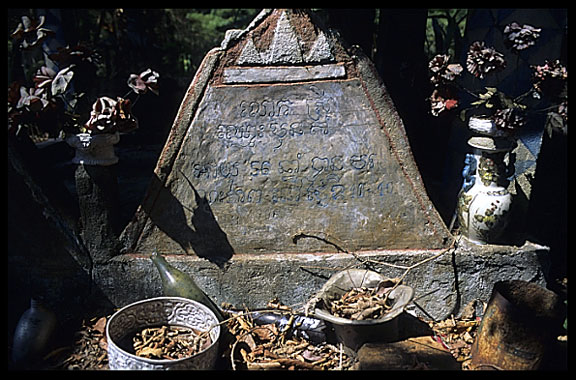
(517, 328)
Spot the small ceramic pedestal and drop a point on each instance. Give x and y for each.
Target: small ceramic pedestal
(94, 149)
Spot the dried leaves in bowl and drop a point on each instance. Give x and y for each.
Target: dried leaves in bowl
(364, 303)
(169, 342)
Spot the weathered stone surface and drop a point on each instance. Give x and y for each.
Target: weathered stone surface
(45, 257)
(286, 46)
(97, 191)
(442, 286)
(263, 163)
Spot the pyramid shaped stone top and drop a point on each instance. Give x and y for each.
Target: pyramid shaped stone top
(285, 142)
(287, 47)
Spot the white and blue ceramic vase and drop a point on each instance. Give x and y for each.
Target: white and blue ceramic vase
(484, 201)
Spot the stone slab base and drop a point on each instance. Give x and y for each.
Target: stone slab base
(421, 353)
(443, 285)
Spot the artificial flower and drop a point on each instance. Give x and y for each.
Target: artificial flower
(550, 78)
(442, 98)
(147, 80)
(442, 71)
(30, 33)
(482, 60)
(520, 37)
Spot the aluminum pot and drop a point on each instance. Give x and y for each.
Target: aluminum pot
(155, 312)
(352, 333)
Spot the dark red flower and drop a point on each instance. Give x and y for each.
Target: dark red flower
(550, 78)
(44, 77)
(109, 116)
(509, 118)
(33, 99)
(101, 116)
(75, 55)
(442, 71)
(443, 98)
(482, 60)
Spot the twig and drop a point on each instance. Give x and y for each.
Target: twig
(314, 234)
(340, 362)
(408, 269)
(426, 345)
(329, 240)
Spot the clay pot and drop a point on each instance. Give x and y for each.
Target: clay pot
(517, 328)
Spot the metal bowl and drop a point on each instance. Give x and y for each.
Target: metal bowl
(353, 334)
(155, 312)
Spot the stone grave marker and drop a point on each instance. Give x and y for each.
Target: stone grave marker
(286, 142)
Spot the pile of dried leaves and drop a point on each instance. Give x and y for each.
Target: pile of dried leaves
(458, 334)
(89, 351)
(255, 347)
(169, 342)
(267, 347)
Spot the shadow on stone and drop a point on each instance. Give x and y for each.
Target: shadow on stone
(46, 259)
(201, 234)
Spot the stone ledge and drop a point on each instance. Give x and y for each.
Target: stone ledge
(443, 286)
(282, 74)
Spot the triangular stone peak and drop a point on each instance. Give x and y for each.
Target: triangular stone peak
(286, 142)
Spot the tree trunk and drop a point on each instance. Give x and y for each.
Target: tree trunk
(401, 62)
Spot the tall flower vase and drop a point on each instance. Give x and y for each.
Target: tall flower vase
(484, 201)
(94, 149)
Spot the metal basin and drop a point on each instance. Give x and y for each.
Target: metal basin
(155, 312)
(352, 333)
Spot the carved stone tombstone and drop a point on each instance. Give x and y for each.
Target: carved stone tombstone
(285, 134)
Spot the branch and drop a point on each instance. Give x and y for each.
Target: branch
(329, 240)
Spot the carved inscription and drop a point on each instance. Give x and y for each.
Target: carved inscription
(268, 120)
(301, 146)
(314, 179)
(274, 160)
